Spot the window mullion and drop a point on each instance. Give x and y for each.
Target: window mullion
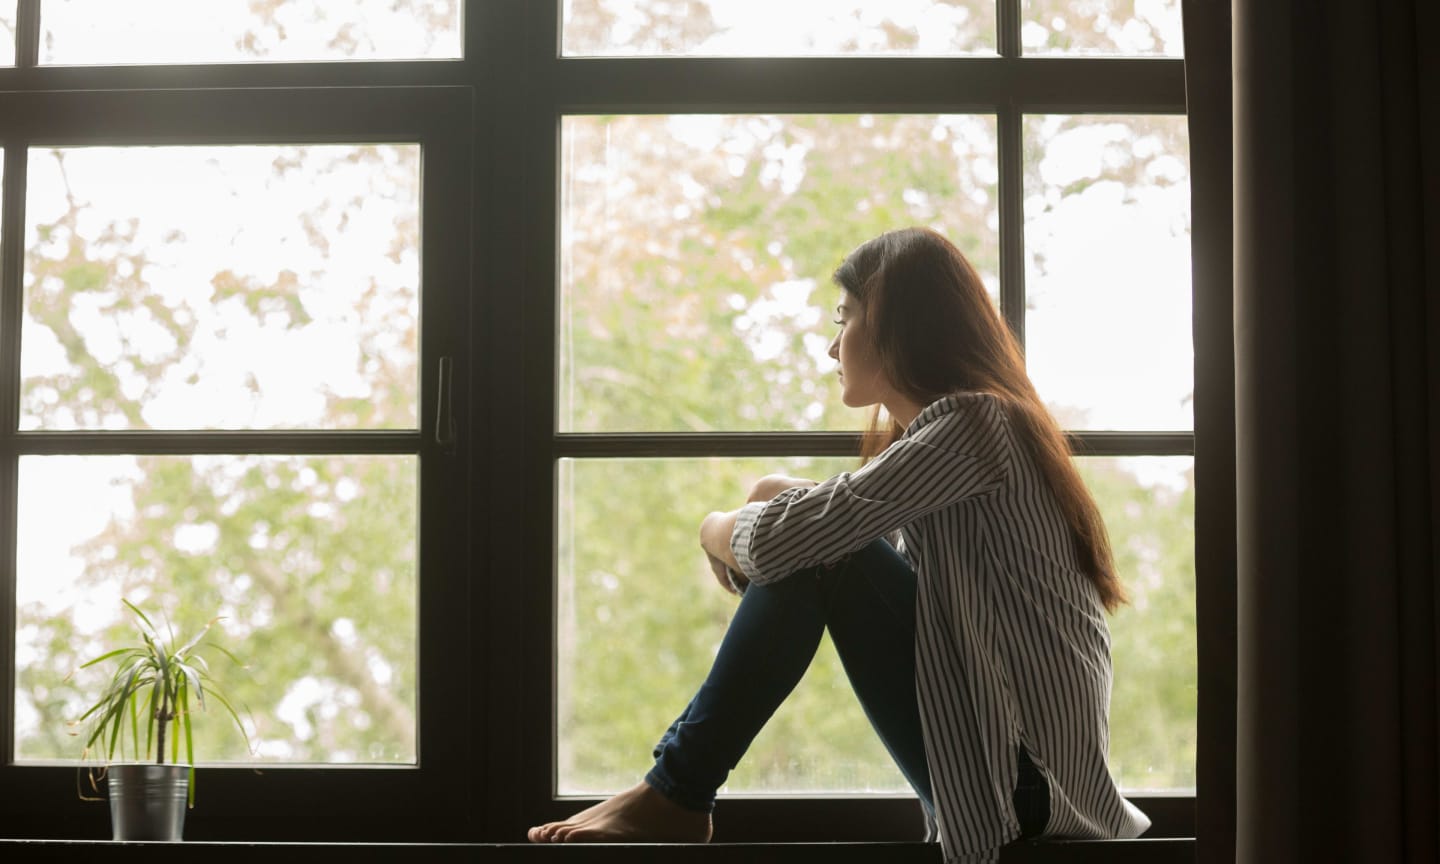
(12, 218)
(1007, 27)
(1010, 151)
(13, 175)
(27, 34)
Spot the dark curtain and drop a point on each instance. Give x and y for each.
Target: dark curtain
(1337, 424)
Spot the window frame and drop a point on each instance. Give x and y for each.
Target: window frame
(487, 598)
(42, 798)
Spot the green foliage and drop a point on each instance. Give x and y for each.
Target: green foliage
(1152, 708)
(155, 682)
(641, 617)
(679, 313)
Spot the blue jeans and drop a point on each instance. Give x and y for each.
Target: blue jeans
(868, 603)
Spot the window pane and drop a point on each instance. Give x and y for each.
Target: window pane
(311, 561)
(640, 618)
(7, 32)
(696, 254)
(1107, 236)
(752, 28)
(1119, 27)
(221, 287)
(91, 32)
(1149, 508)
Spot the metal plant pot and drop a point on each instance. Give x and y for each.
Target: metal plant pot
(147, 802)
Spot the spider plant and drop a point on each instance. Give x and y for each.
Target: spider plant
(153, 685)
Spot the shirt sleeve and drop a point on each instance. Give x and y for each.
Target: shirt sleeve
(961, 454)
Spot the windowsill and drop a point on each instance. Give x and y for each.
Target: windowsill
(1168, 851)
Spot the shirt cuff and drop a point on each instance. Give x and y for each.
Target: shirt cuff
(740, 538)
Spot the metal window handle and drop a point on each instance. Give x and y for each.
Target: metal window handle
(444, 410)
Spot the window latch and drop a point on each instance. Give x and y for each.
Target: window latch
(444, 409)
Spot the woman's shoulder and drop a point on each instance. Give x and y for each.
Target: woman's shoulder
(962, 407)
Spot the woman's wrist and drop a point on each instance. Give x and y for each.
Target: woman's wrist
(715, 533)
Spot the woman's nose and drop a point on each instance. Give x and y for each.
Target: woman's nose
(834, 349)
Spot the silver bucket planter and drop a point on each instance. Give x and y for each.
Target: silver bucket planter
(147, 802)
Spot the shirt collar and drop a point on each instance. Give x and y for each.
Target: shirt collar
(939, 408)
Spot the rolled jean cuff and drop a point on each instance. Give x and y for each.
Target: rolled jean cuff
(667, 787)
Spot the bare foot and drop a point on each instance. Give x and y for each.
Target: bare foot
(637, 815)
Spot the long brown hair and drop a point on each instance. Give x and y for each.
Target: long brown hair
(937, 332)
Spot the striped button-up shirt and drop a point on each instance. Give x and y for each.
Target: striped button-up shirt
(1011, 643)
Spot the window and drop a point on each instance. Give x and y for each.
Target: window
(233, 319)
(368, 331)
(697, 230)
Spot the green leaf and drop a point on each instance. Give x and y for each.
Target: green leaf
(180, 709)
(194, 679)
(223, 650)
(190, 758)
(136, 610)
(150, 706)
(230, 709)
(103, 657)
(198, 636)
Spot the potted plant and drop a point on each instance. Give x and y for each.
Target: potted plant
(153, 685)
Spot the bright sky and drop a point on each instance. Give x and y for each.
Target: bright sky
(185, 31)
(7, 28)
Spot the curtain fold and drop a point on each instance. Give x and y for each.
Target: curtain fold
(1337, 389)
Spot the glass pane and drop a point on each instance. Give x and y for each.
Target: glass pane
(1149, 508)
(1107, 237)
(754, 28)
(221, 287)
(101, 32)
(7, 32)
(696, 254)
(311, 561)
(1119, 27)
(640, 618)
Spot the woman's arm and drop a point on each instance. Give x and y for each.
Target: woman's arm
(717, 528)
(960, 451)
(715, 533)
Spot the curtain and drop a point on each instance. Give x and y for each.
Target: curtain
(1337, 421)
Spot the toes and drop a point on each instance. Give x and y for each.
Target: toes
(543, 833)
(580, 834)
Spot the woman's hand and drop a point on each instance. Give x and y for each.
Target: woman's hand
(717, 528)
(715, 534)
(722, 575)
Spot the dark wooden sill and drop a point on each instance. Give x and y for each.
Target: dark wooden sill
(1162, 851)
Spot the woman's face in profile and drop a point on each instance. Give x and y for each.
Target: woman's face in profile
(861, 380)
